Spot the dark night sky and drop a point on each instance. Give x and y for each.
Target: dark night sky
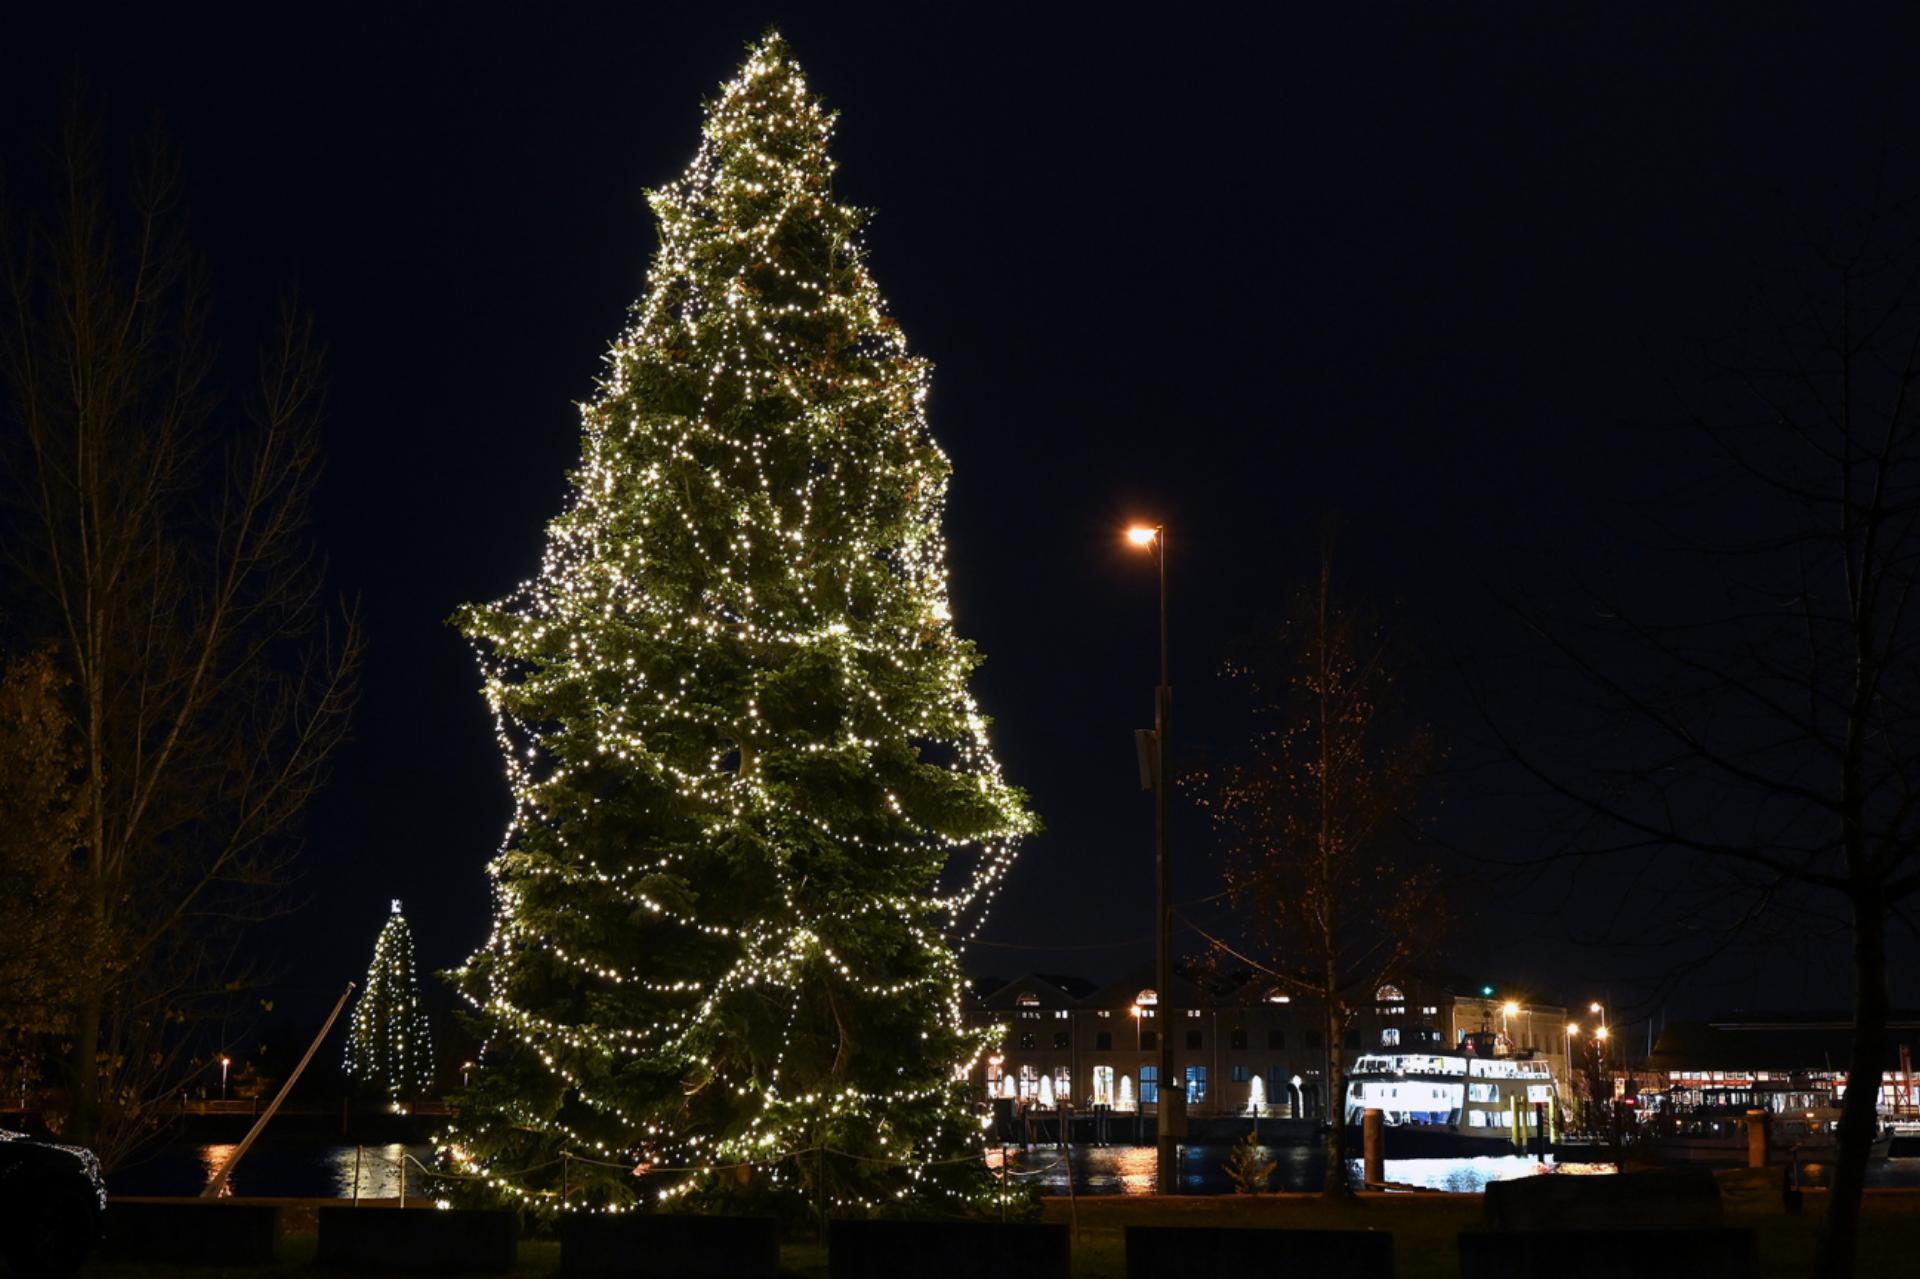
(1418, 277)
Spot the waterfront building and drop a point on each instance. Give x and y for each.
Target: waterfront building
(1247, 1048)
(1785, 1063)
(1245, 1052)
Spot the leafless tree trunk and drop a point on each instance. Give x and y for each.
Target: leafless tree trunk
(1768, 725)
(157, 534)
(1317, 817)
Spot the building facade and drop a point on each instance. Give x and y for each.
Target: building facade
(1250, 1053)
(1254, 1050)
(1785, 1063)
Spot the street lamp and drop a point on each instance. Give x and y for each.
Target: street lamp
(224, 1063)
(1166, 1142)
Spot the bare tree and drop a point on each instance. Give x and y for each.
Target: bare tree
(1316, 818)
(157, 532)
(42, 821)
(1767, 723)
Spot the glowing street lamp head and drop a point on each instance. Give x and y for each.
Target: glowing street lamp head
(1573, 1028)
(1510, 1008)
(1600, 1033)
(1594, 1007)
(1142, 534)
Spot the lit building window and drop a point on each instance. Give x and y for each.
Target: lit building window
(1103, 1085)
(1389, 995)
(1027, 999)
(1390, 1037)
(1196, 1084)
(1147, 997)
(1149, 1085)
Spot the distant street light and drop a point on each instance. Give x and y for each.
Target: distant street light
(1166, 1161)
(224, 1063)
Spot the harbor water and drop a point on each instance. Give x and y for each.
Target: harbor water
(337, 1171)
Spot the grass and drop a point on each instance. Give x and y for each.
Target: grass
(1424, 1227)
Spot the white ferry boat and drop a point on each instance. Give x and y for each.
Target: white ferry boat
(1452, 1103)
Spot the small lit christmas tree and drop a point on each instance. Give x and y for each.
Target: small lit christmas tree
(389, 1045)
(754, 802)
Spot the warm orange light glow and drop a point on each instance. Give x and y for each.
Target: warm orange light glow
(1141, 535)
(1573, 1028)
(1510, 1008)
(1600, 1033)
(1594, 1007)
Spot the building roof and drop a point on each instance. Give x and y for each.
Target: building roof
(1772, 1041)
(1029, 991)
(1123, 993)
(1078, 987)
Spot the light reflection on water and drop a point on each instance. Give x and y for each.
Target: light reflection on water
(370, 1172)
(212, 1159)
(1129, 1170)
(328, 1170)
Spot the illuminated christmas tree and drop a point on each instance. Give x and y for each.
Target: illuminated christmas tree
(754, 804)
(389, 1045)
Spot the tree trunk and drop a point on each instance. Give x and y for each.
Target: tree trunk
(1859, 1116)
(83, 1071)
(1336, 1178)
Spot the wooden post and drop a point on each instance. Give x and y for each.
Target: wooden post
(1757, 1138)
(1073, 1204)
(1373, 1147)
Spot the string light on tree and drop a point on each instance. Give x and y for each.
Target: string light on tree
(755, 807)
(389, 1044)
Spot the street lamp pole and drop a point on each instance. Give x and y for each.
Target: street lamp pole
(1166, 1138)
